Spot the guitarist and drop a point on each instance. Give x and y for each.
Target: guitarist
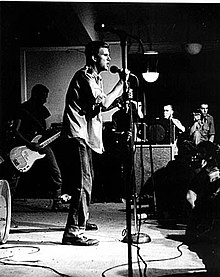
(31, 121)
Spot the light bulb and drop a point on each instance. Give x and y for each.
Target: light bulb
(151, 74)
(150, 77)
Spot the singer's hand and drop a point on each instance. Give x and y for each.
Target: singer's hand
(121, 75)
(100, 98)
(114, 69)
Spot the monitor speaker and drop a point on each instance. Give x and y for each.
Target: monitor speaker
(161, 155)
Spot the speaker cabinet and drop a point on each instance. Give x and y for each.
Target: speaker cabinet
(161, 155)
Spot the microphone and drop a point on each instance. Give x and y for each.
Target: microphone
(114, 69)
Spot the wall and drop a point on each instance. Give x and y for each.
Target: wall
(54, 67)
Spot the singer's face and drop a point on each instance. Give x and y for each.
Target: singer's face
(103, 59)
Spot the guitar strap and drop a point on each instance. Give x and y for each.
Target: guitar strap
(34, 119)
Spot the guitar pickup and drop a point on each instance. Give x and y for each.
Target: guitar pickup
(15, 162)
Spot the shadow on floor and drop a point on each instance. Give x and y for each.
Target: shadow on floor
(207, 249)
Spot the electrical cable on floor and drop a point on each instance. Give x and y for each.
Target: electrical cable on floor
(138, 254)
(168, 259)
(145, 261)
(114, 267)
(26, 264)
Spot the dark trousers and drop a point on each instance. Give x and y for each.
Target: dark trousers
(53, 171)
(79, 175)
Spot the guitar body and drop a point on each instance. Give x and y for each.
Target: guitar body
(23, 158)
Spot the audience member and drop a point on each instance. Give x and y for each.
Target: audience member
(167, 129)
(174, 125)
(203, 128)
(203, 189)
(203, 228)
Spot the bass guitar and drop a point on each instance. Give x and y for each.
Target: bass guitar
(23, 158)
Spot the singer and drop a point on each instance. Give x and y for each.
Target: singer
(82, 135)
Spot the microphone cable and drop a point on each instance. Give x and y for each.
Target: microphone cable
(27, 263)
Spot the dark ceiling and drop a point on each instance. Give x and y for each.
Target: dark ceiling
(164, 26)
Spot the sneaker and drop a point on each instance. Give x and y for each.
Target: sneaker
(79, 241)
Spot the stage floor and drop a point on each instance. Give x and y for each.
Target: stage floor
(34, 247)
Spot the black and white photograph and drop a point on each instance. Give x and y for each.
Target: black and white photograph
(109, 138)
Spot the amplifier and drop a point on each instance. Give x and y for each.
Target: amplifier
(161, 155)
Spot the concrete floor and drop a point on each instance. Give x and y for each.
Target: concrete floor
(34, 248)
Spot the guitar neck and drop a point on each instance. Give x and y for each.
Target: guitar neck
(49, 140)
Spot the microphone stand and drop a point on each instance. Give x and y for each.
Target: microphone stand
(129, 165)
(129, 169)
(128, 157)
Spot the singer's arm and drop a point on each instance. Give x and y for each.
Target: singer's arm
(117, 91)
(113, 94)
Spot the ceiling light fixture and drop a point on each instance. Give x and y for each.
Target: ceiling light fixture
(192, 44)
(150, 75)
(193, 48)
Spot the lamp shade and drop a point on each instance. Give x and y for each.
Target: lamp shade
(193, 48)
(150, 77)
(150, 73)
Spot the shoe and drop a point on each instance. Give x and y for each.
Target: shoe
(91, 227)
(80, 241)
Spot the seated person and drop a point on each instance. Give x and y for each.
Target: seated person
(175, 125)
(166, 130)
(203, 128)
(203, 228)
(203, 191)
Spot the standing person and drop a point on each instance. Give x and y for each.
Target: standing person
(203, 128)
(30, 120)
(82, 133)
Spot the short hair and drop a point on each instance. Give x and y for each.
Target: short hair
(197, 112)
(171, 106)
(204, 103)
(92, 49)
(39, 90)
